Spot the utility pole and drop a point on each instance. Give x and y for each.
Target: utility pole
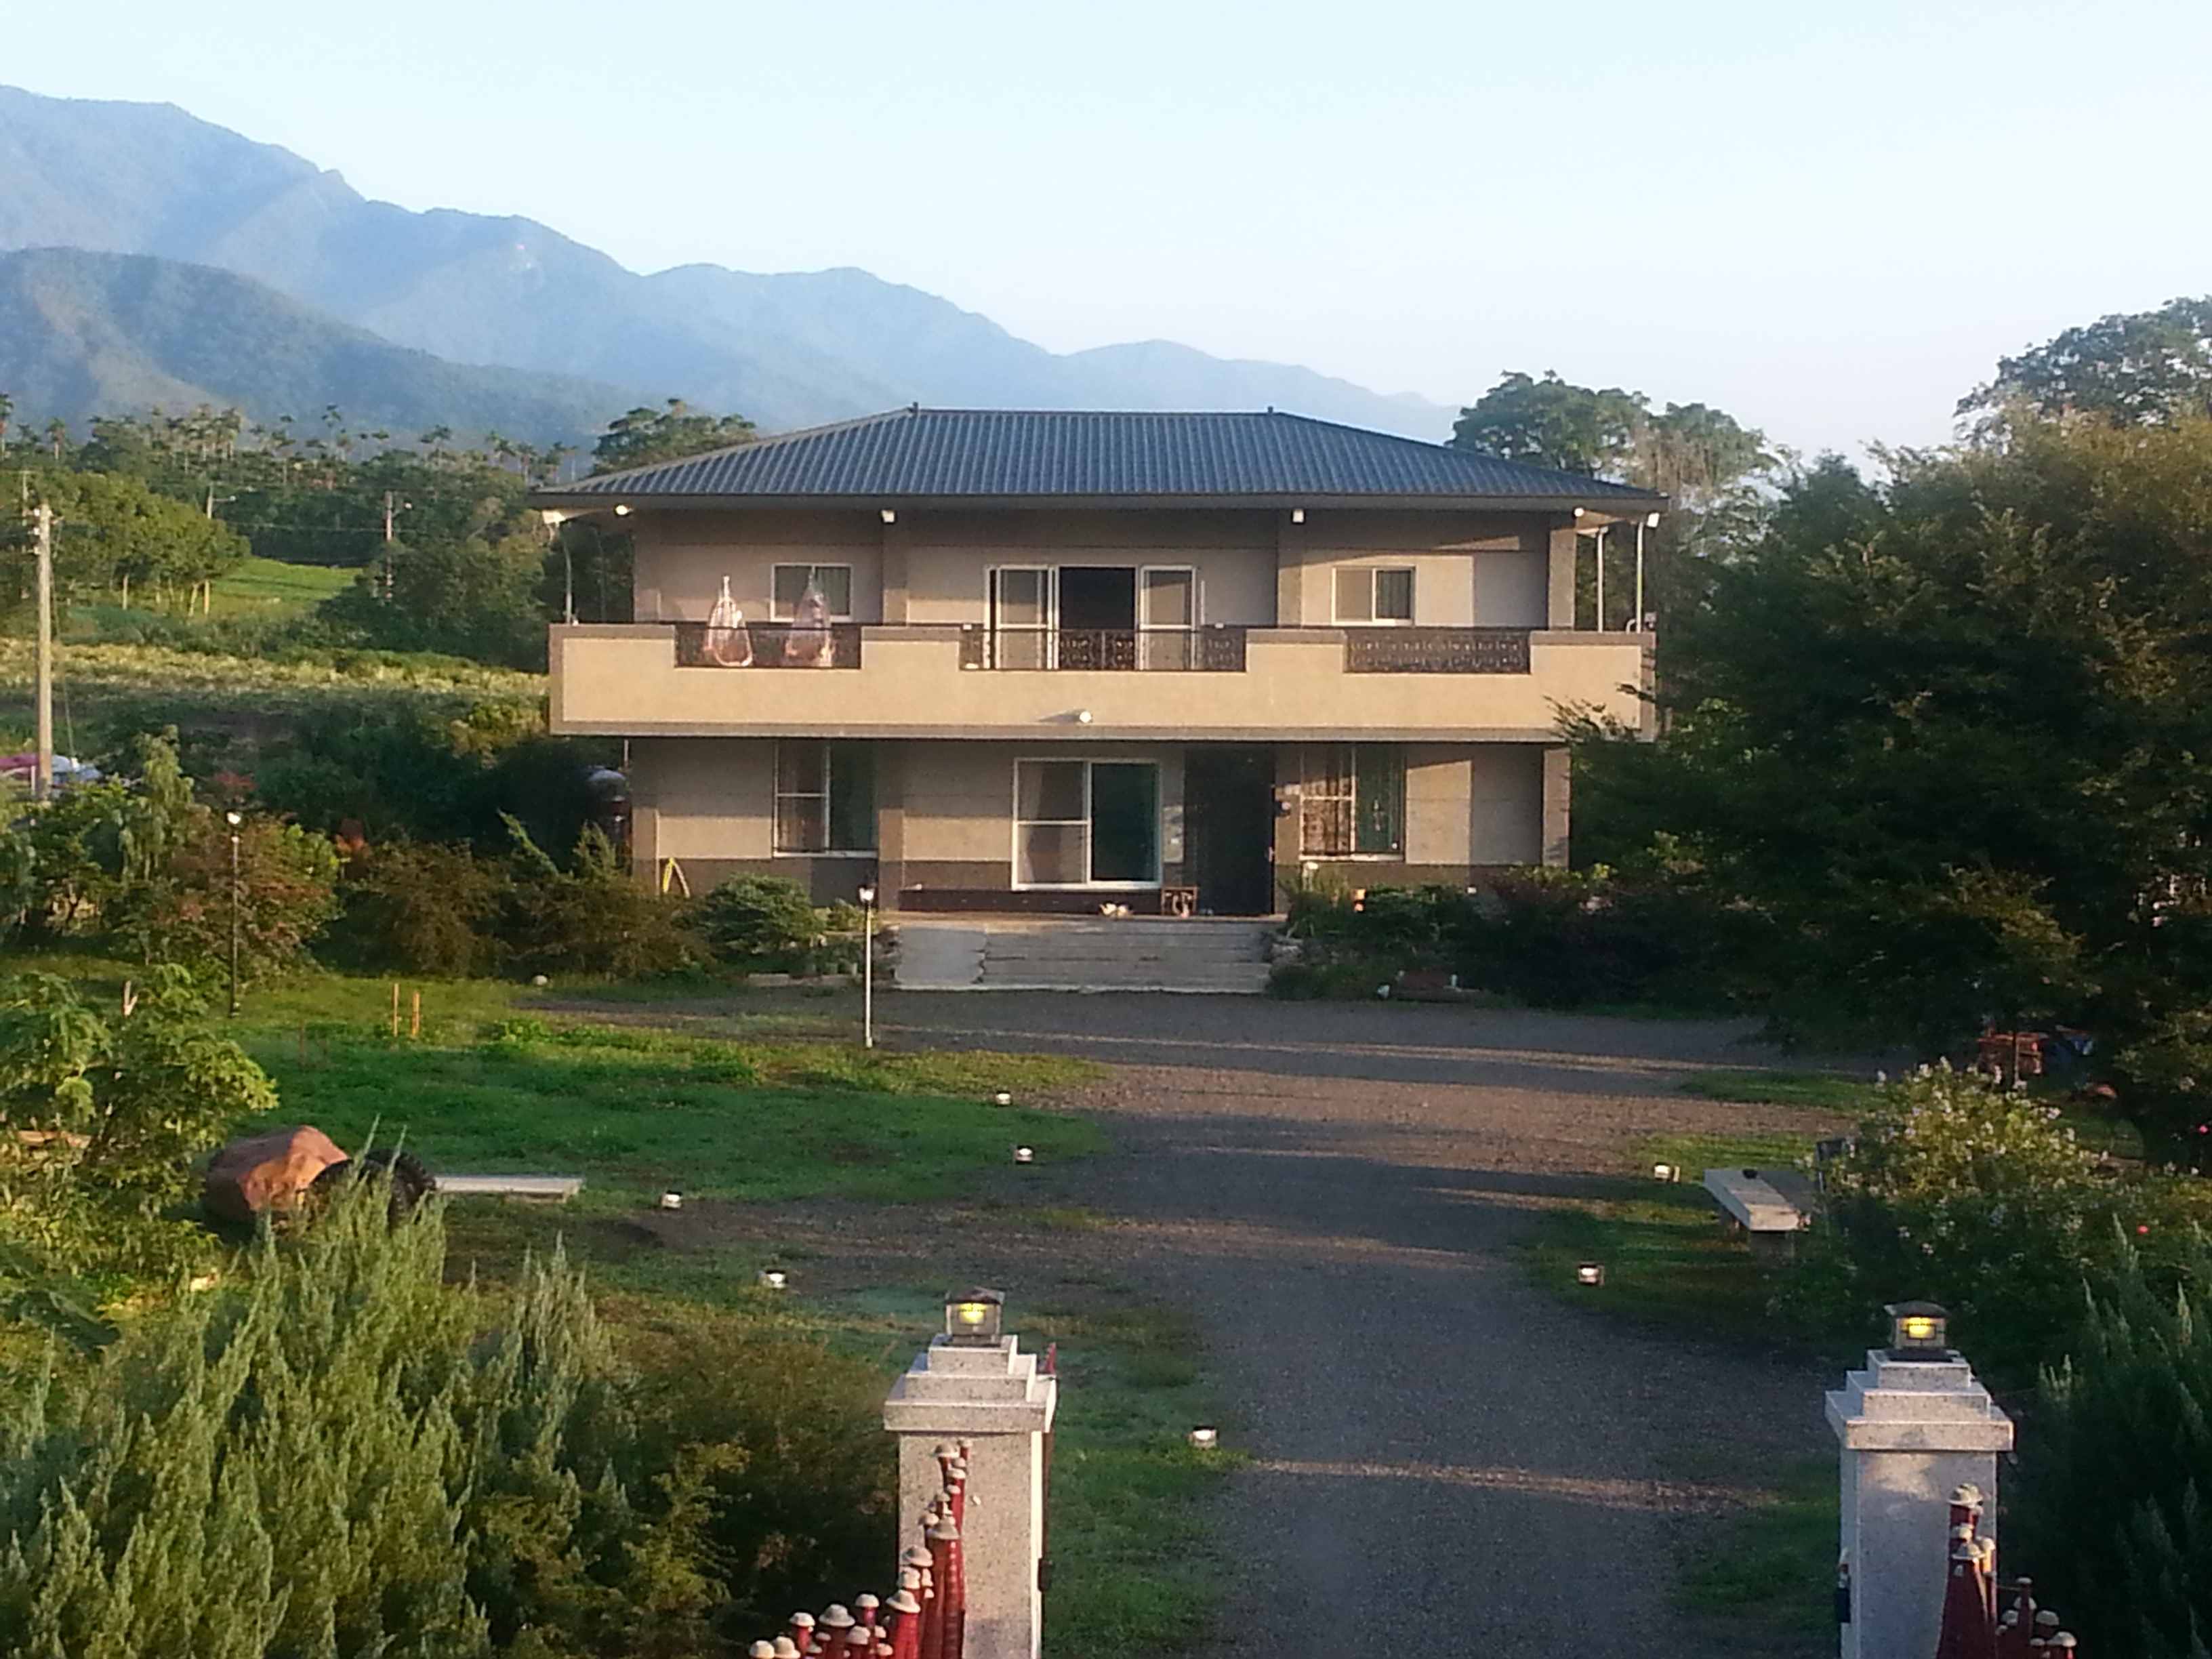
(42, 775)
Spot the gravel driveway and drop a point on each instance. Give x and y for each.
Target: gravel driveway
(1445, 1459)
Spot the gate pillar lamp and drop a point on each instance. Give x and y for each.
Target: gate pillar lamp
(1918, 1330)
(972, 1317)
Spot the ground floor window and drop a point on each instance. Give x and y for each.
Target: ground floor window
(825, 796)
(1079, 823)
(1351, 800)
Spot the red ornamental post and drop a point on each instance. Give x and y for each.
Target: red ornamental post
(956, 1597)
(906, 1635)
(829, 1634)
(936, 1612)
(802, 1632)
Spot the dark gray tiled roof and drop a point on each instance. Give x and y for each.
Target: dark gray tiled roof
(991, 455)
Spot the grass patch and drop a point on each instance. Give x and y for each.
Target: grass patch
(638, 1111)
(1134, 1573)
(271, 588)
(1765, 1575)
(1826, 1091)
(1667, 1256)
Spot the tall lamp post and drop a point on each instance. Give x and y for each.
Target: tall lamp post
(233, 819)
(868, 966)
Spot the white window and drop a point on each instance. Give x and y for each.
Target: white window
(1366, 593)
(1351, 800)
(825, 796)
(835, 582)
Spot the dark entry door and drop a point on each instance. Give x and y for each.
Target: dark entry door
(1229, 829)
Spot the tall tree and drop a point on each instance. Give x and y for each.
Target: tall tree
(1952, 736)
(644, 436)
(2147, 368)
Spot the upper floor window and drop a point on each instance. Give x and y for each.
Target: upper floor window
(791, 580)
(1368, 594)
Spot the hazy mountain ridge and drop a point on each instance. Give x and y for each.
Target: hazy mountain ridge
(83, 334)
(788, 349)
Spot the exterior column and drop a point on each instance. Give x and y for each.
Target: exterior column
(1912, 1432)
(995, 1400)
(890, 822)
(1560, 606)
(1557, 807)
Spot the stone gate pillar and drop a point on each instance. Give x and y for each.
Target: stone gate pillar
(975, 1386)
(1914, 1425)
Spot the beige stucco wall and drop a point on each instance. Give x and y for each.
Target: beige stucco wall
(624, 682)
(1256, 568)
(1505, 815)
(703, 797)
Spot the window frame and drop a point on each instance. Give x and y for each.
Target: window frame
(1371, 575)
(826, 771)
(1088, 826)
(779, 611)
(1344, 763)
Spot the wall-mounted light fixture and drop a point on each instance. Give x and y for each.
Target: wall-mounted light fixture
(1578, 512)
(1651, 521)
(889, 515)
(1298, 515)
(1083, 717)
(622, 509)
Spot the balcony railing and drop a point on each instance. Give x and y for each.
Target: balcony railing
(767, 645)
(1216, 650)
(1436, 651)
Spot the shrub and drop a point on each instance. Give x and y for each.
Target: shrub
(1969, 1195)
(102, 1123)
(422, 908)
(759, 919)
(285, 892)
(344, 1455)
(2112, 1509)
(593, 919)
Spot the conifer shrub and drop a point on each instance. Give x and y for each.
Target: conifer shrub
(764, 921)
(423, 907)
(593, 919)
(336, 1453)
(2111, 1510)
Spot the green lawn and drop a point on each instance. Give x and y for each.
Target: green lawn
(268, 587)
(1828, 1091)
(637, 1112)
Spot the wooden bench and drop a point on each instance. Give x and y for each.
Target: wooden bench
(555, 1190)
(1771, 1206)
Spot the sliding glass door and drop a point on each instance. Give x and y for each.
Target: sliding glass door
(1087, 823)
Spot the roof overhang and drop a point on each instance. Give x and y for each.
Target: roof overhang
(1618, 504)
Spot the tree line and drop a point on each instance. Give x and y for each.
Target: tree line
(151, 510)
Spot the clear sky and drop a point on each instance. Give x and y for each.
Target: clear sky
(1829, 219)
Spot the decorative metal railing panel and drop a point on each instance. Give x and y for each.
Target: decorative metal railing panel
(1219, 650)
(1436, 651)
(767, 645)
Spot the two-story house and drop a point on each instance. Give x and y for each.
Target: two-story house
(1043, 661)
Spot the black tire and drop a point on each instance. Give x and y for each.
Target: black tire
(410, 1178)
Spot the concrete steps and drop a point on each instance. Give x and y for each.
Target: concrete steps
(1128, 953)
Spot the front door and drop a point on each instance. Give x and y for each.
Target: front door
(1229, 829)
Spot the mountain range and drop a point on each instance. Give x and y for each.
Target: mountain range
(156, 257)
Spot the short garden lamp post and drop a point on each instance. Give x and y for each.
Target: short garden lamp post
(1913, 1426)
(234, 819)
(973, 1395)
(868, 966)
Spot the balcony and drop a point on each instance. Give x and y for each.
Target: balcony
(952, 681)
